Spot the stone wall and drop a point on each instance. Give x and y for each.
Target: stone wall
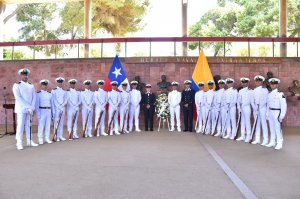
(150, 70)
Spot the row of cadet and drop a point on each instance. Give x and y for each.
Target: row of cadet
(223, 113)
(48, 105)
(216, 110)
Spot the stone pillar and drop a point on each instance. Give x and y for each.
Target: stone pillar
(184, 25)
(2, 7)
(87, 25)
(283, 27)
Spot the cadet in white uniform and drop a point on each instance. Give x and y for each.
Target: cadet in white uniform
(73, 103)
(221, 107)
(87, 99)
(59, 101)
(114, 99)
(25, 97)
(210, 108)
(231, 95)
(277, 108)
(135, 99)
(244, 108)
(44, 112)
(200, 107)
(259, 105)
(100, 99)
(174, 100)
(124, 108)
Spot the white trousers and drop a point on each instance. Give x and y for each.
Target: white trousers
(231, 121)
(44, 124)
(60, 127)
(275, 127)
(201, 114)
(261, 123)
(221, 121)
(134, 114)
(175, 113)
(245, 121)
(211, 120)
(114, 124)
(97, 115)
(124, 113)
(71, 115)
(89, 121)
(23, 122)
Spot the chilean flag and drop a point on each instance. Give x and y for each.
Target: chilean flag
(116, 73)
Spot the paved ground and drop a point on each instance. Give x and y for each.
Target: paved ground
(149, 165)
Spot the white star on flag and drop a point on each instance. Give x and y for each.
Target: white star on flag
(117, 72)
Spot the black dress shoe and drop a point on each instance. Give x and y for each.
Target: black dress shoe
(185, 130)
(151, 129)
(190, 130)
(146, 129)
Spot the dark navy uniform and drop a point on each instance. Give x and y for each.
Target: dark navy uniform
(188, 98)
(148, 98)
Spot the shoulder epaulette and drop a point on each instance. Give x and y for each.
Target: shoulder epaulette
(28, 82)
(19, 82)
(38, 91)
(48, 91)
(54, 88)
(68, 89)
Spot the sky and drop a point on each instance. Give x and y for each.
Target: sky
(162, 20)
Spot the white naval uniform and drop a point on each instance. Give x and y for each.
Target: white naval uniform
(87, 100)
(100, 99)
(114, 99)
(44, 114)
(211, 110)
(259, 105)
(124, 109)
(59, 101)
(174, 99)
(221, 109)
(245, 97)
(201, 110)
(231, 96)
(277, 108)
(73, 103)
(25, 97)
(135, 99)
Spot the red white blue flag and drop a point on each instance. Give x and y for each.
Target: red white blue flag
(116, 73)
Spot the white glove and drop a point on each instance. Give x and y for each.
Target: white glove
(76, 108)
(30, 112)
(280, 119)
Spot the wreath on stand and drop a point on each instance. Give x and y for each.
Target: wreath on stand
(162, 109)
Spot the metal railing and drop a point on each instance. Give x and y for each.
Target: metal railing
(154, 46)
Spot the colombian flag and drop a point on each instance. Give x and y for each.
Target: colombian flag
(201, 72)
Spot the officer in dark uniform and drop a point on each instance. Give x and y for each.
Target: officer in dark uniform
(187, 100)
(148, 100)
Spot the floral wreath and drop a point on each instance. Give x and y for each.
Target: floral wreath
(162, 107)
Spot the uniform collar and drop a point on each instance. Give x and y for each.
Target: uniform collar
(87, 89)
(275, 90)
(148, 93)
(187, 89)
(58, 87)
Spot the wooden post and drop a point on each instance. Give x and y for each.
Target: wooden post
(283, 27)
(87, 26)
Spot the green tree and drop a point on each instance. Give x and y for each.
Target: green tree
(244, 18)
(36, 19)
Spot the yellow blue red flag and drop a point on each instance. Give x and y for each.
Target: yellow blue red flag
(201, 72)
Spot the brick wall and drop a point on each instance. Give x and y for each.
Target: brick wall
(150, 71)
